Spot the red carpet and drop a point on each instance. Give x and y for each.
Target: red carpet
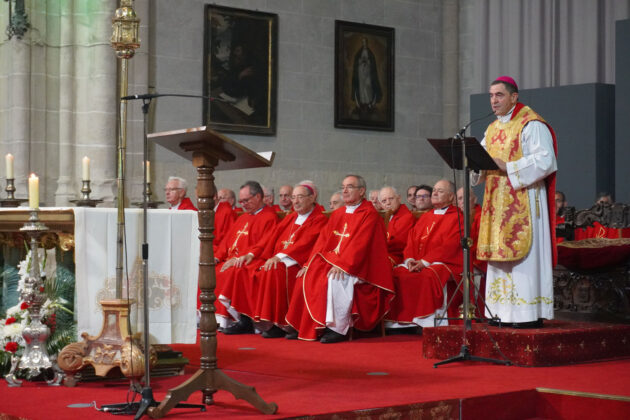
(557, 343)
(306, 378)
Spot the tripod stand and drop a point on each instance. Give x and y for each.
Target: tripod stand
(450, 151)
(147, 400)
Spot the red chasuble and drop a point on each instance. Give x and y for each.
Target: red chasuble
(436, 239)
(355, 243)
(239, 285)
(186, 204)
(397, 231)
(270, 291)
(224, 217)
(474, 235)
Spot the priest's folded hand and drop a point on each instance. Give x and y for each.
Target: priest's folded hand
(271, 263)
(229, 263)
(415, 266)
(336, 273)
(301, 272)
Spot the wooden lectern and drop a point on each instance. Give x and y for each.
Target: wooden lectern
(208, 151)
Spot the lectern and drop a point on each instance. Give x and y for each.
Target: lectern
(209, 151)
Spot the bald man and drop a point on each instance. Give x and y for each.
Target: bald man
(400, 222)
(433, 256)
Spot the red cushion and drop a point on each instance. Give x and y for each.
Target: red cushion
(593, 253)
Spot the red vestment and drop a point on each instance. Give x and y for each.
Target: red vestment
(355, 243)
(186, 204)
(435, 239)
(264, 295)
(243, 235)
(397, 231)
(224, 217)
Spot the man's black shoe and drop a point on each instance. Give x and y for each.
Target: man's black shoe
(292, 335)
(332, 337)
(274, 332)
(244, 326)
(403, 331)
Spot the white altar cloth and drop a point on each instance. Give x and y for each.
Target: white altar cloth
(173, 269)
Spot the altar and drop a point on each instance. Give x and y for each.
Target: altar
(173, 257)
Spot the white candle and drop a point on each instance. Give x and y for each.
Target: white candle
(148, 169)
(9, 161)
(33, 191)
(86, 168)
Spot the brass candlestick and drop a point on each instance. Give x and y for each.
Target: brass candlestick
(85, 200)
(150, 204)
(35, 358)
(11, 201)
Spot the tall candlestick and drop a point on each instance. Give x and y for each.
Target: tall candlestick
(9, 161)
(86, 168)
(148, 169)
(33, 191)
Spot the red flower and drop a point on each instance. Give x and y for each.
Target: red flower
(41, 289)
(11, 346)
(24, 305)
(10, 321)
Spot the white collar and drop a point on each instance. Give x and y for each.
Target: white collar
(506, 118)
(441, 211)
(302, 217)
(352, 208)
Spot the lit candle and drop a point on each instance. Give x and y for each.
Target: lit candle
(9, 161)
(86, 168)
(148, 169)
(33, 191)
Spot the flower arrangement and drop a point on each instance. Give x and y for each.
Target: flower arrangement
(56, 311)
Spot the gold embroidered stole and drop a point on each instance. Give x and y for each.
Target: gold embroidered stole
(505, 232)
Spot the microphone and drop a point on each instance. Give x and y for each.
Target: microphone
(143, 96)
(460, 133)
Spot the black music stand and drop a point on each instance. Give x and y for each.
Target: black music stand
(465, 153)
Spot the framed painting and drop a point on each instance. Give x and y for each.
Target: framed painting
(364, 76)
(240, 70)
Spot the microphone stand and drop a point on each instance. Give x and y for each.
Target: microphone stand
(464, 353)
(147, 400)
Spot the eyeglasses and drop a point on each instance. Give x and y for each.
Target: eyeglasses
(423, 196)
(245, 200)
(299, 197)
(171, 189)
(349, 187)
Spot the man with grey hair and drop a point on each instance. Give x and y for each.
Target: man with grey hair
(257, 220)
(175, 192)
(375, 201)
(400, 220)
(335, 201)
(268, 196)
(347, 281)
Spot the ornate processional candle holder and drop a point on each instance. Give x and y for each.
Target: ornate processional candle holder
(11, 201)
(35, 359)
(85, 200)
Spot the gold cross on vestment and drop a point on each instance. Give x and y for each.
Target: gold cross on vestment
(342, 235)
(238, 236)
(288, 241)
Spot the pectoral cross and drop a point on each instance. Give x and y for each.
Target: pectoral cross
(342, 235)
(288, 241)
(425, 236)
(238, 236)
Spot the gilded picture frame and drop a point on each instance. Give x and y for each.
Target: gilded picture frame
(240, 70)
(364, 76)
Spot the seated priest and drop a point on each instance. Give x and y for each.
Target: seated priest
(347, 281)
(224, 217)
(375, 201)
(433, 256)
(284, 199)
(175, 191)
(256, 221)
(423, 198)
(400, 222)
(259, 285)
(335, 201)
